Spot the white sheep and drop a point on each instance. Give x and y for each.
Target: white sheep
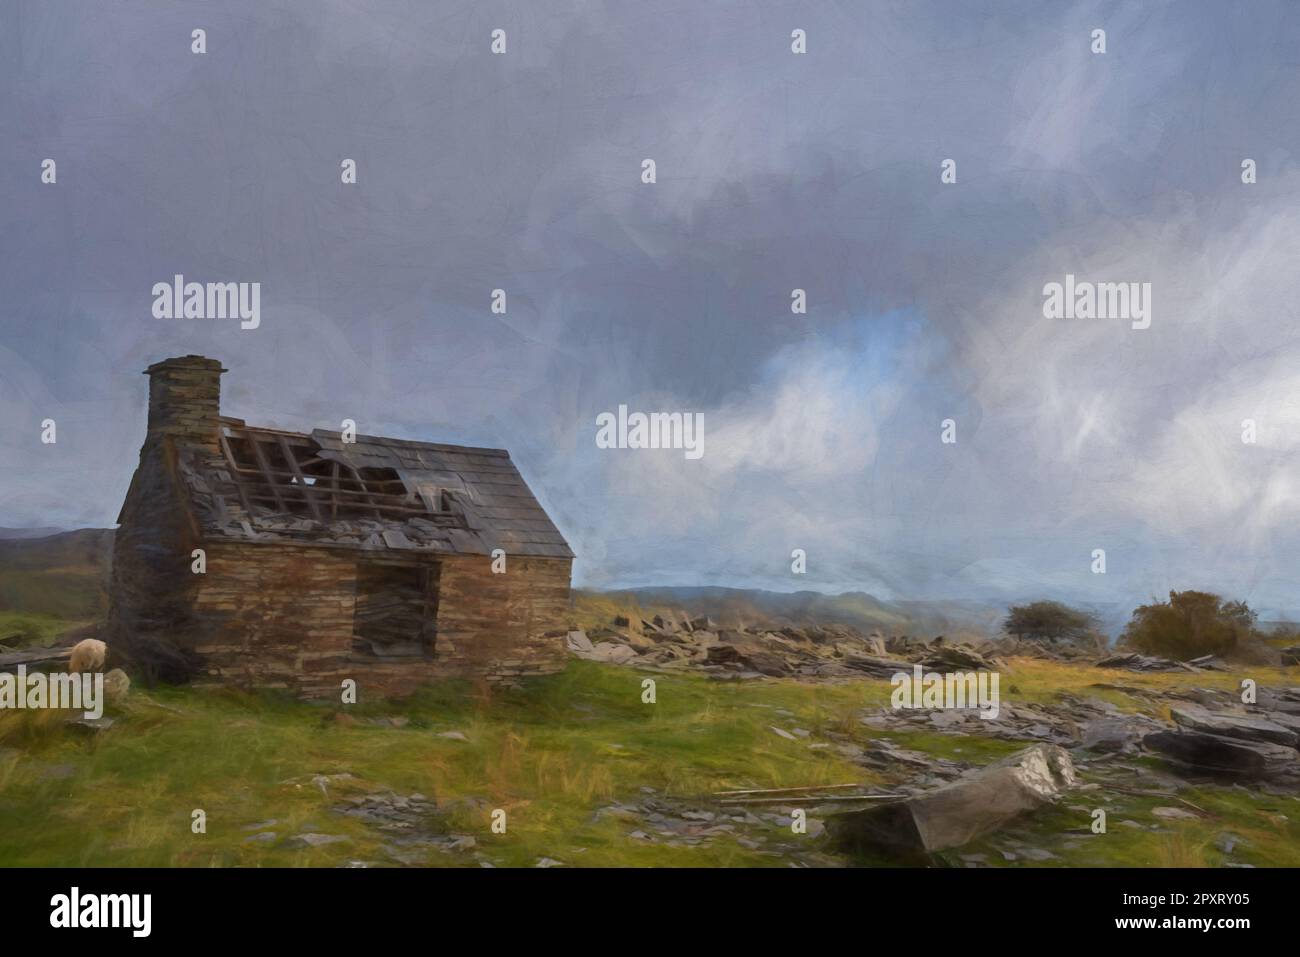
(88, 655)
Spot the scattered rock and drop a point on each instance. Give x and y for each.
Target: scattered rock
(978, 802)
(610, 652)
(1112, 734)
(116, 685)
(1222, 755)
(93, 725)
(316, 840)
(675, 640)
(956, 658)
(949, 718)
(1228, 842)
(1173, 813)
(1136, 662)
(1036, 854)
(1286, 701)
(579, 642)
(1251, 728)
(323, 781)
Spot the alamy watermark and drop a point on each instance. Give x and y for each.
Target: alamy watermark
(1098, 300)
(651, 430)
(931, 690)
(73, 692)
(179, 299)
(75, 909)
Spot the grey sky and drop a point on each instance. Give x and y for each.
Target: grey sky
(775, 171)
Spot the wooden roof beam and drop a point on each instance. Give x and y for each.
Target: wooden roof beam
(265, 466)
(301, 479)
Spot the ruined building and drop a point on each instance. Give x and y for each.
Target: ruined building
(323, 559)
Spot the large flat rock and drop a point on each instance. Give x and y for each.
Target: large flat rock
(1194, 717)
(1220, 754)
(977, 803)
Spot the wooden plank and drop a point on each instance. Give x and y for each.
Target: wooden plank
(239, 486)
(33, 656)
(361, 483)
(382, 509)
(813, 799)
(301, 479)
(815, 787)
(265, 466)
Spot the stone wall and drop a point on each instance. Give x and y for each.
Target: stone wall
(281, 617)
(267, 615)
(152, 589)
(505, 623)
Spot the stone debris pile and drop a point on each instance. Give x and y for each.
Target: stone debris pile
(676, 641)
(1131, 661)
(1218, 736)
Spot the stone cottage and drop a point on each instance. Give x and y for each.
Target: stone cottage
(269, 558)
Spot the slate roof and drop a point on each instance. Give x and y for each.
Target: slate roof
(374, 494)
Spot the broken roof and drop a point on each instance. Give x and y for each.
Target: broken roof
(269, 485)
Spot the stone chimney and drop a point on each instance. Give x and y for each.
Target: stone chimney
(185, 400)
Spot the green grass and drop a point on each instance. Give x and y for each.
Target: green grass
(30, 630)
(551, 755)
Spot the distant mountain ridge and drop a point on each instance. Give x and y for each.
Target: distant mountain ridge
(65, 574)
(13, 533)
(734, 606)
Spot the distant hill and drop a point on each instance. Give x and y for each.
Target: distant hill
(734, 606)
(7, 533)
(64, 575)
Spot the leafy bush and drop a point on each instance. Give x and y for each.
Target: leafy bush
(1190, 624)
(1050, 621)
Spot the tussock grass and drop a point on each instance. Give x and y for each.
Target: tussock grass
(550, 754)
(1038, 680)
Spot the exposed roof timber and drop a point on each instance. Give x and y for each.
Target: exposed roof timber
(307, 488)
(372, 494)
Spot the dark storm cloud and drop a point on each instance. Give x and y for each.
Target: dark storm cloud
(775, 171)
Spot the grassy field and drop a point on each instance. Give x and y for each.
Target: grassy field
(25, 630)
(64, 575)
(551, 755)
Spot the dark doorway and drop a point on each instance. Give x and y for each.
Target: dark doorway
(396, 610)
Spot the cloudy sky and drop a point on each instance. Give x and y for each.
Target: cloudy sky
(775, 171)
